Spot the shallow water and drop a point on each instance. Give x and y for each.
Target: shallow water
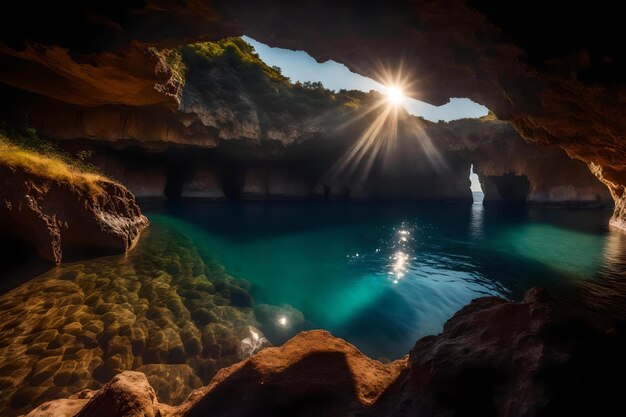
(161, 310)
(209, 279)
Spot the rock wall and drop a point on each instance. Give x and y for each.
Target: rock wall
(431, 163)
(546, 176)
(274, 139)
(512, 170)
(203, 182)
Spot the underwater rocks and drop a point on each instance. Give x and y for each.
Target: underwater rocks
(57, 216)
(493, 358)
(313, 372)
(159, 310)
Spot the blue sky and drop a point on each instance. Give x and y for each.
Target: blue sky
(300, 66)
(475, 181)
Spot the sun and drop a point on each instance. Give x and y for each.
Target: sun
(395, 95)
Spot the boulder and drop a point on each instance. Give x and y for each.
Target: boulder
(57, 215)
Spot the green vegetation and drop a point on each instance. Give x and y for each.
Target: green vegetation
(230, 69)
(24, 149)
(174, 61)
(229, 72)
(239, 50)
(488, 117)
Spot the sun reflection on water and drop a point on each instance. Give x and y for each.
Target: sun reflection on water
(399, 266)
(400, 258)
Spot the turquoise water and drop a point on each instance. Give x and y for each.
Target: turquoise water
(384, 275)
(209, 283)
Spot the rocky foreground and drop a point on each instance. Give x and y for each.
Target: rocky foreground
(532, 358)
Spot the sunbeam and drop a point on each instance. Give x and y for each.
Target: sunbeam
(392, 136)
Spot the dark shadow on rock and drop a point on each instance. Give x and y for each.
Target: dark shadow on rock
(583, 370)
(19, 261)
(318, 385)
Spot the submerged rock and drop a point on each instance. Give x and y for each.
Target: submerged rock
(493, 358)
(161, 310)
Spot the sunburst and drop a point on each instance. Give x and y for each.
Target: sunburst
(379, 139)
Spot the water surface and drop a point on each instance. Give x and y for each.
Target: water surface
(384, 275)
(209, 282)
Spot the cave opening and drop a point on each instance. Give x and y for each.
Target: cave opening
(301, 68)
(475, 186)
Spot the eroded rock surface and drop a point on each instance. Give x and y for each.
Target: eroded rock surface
(127, 395)
(57, 216)
(511, 170)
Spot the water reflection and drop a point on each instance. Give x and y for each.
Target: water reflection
(400, 259)
(252, 343)
(399, 266)
(615, 252)
(605, 292)
(476, 220)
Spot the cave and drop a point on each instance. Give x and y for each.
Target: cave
(508, 189)
(319, 207)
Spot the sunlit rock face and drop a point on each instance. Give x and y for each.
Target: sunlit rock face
(225, 98)
(493, 358)
(565, 90)
(57, 216)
